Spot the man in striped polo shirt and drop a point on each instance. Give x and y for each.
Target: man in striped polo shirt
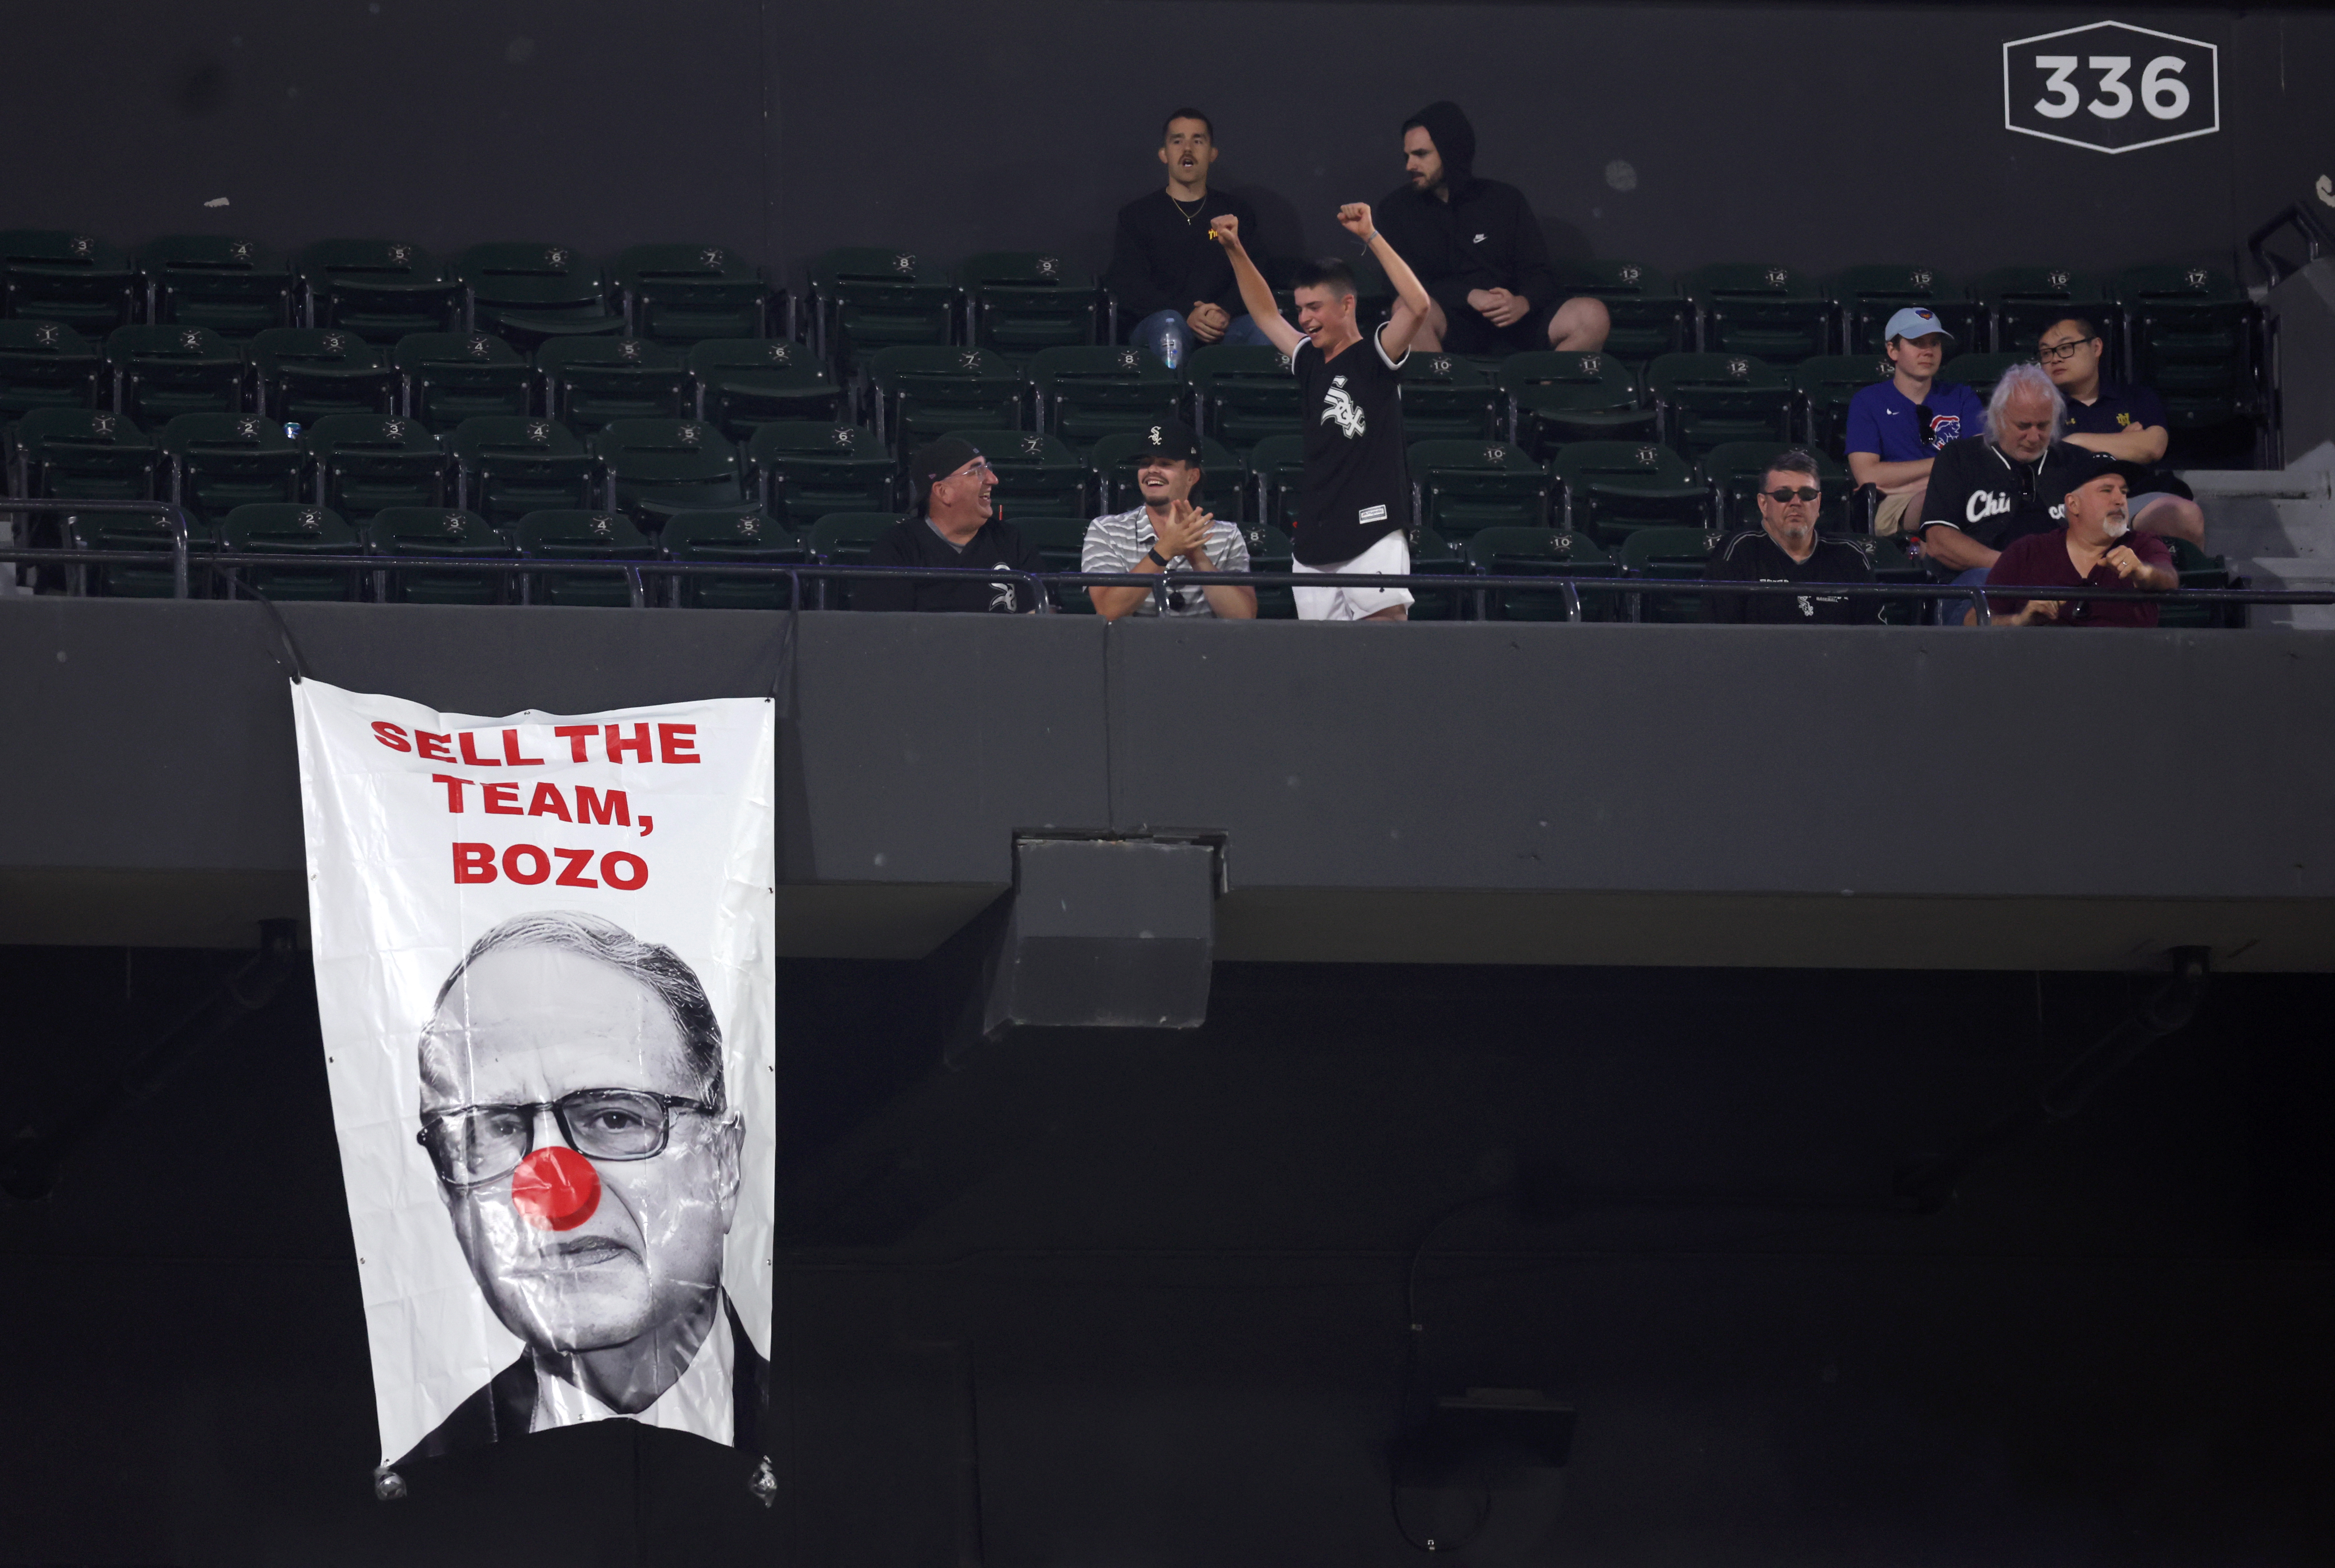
(1168, 531)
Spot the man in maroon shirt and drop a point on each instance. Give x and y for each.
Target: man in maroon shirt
(2097, 549)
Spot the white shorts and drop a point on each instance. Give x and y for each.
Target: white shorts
(1390, 556)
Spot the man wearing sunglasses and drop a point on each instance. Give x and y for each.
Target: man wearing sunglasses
(2121, 420)
(574, 1111)
(1786, 549)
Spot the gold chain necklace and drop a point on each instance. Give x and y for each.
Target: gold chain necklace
(1187, 217)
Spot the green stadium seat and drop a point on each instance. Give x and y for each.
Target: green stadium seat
(1271, 550)
(658, 467)
(1447, 398)
(364, 463)
(438, 534)
(1085, 394)
(1540, 552)
(1019, 301)
(287, 528)
(217, 462)
(1735, 468)
(1704, 399)
(590, 383)
(582, 536)
(2193, 337)
(1979, 372)
(1672, 554)
(1244, 394)
(1555, 397)
(1650, 315)
(1038, 475)
(867, 298)
(81, 454)
(47, 364)
(528, 293)
(129, 531)
(1433, 556)
(56, 275)
(691, 293)
(1276, 477)
(1224, 478)
(235, 287)
(1826, 385)
(1610, 488)
(924, 393)
(2197, 570)
(381, 289)
(304, 374)
(804, 471)
(1458, 489)
(736, 536)
(1865, 298)
(452, 376)
(740, 383)
(2020, 301)
(506, 465)
(1891, 563)
(162, 371)
(1060, 541)
(1761, 309)
(843, 539)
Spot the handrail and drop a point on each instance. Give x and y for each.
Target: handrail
(2275, 268)
(168, 511)
(1572, 587)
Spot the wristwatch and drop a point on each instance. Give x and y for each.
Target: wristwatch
(1157, 559)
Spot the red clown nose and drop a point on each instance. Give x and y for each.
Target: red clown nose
(555, 1189)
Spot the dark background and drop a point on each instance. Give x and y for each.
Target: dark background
(1138, 1297)
(1816, 136)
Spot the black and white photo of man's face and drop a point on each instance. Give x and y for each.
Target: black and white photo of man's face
(526, 1026)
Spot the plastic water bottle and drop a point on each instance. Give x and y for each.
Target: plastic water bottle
(291, 430)
(1171, 350)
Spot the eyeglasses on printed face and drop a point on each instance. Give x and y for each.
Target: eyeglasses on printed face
(1785, 497)
(472, 1145)
(2050, 352)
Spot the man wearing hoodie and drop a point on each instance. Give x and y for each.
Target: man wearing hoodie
(1476, 245)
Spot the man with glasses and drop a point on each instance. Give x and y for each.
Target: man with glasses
(1169, 531)
(2124, 421)
(573, 1108)
(952, 525)
(1786, 549)
(1895, 426)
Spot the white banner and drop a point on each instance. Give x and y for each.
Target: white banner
(543, 956)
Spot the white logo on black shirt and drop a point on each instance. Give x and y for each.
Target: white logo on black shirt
(1338, 404)
(1478, 239)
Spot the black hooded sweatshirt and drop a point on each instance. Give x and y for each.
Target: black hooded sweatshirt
(1485, 236)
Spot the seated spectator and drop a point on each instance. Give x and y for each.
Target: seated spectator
(2124, 421)
(2097, 549)
(1895, 426)
(1986, 490)
(1168, 532)
(1477, 247)
(1786, 549)
(953, 524)
(1165, 270)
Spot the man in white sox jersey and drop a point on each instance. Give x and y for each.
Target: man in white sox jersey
(1356, 497)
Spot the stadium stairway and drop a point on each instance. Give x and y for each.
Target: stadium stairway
(2276, 528)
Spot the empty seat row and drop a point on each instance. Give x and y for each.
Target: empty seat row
(297, 375)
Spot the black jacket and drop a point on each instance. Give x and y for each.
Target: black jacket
(505, 1407)
(1159, 261)
(912, 542)
(1485, 236)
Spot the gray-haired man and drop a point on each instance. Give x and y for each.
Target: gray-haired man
(574, 1110)
(1987, 490)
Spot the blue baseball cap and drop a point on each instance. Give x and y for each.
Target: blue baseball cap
(1913, 321)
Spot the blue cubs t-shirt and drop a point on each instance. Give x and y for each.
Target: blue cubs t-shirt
(2117, 408)
(1886, 422)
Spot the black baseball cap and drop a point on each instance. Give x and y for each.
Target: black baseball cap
(1171, 438)
(2089, 465)
(938, 459)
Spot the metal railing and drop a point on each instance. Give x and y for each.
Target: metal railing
(804, 578)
